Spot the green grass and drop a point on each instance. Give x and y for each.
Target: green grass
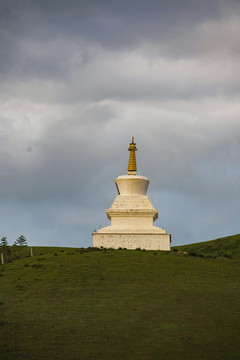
(228, 246)
(80, 304)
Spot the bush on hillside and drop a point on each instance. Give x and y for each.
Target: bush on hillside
(193, 253)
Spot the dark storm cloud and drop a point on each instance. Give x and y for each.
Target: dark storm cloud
(66, 49)
(97, 18)
(125, 23)
(27, 25)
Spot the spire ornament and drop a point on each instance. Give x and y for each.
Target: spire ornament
(132, 164)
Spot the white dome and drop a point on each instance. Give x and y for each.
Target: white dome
(132, 184)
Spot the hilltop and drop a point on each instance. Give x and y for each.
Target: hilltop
(75, 304)
(228, 246)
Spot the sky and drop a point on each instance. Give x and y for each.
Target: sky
(79, 78)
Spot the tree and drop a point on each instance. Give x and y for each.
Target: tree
(5, 248)
(4, 242)
(19, 247)
(21, 241)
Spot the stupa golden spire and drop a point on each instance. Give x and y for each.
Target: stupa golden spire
(132, 164)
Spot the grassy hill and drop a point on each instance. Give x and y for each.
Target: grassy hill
(227, 246)
(117, 304)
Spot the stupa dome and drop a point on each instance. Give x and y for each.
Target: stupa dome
(132, 185)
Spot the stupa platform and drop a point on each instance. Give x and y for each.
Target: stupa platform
(128, 240)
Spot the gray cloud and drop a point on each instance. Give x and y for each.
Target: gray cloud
(79, 79)
(33, 32)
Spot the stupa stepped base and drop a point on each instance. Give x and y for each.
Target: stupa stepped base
(130, 241)
(132, 201)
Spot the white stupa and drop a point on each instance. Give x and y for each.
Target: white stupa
(132, 215)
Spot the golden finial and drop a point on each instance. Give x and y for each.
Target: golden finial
(132, 164)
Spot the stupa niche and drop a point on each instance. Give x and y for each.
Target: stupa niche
(132, 215)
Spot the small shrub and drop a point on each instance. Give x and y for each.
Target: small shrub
(41, 259)
(175, 250)
(19, 287)
(26, 265)
(55, 254)
(138, 249)
(94, 249)
(37, 266)
(192, 253)
(229, 256)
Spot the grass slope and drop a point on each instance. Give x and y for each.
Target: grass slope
(226, 246)
(74, 304)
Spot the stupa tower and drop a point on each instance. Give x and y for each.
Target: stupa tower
(132, 215)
